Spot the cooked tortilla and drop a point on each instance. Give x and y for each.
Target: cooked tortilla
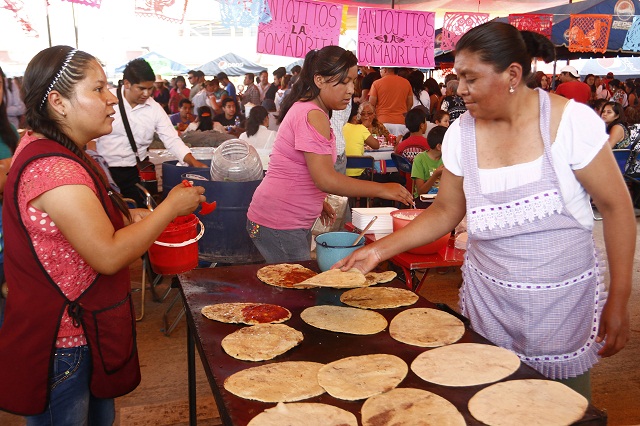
(360, 377)
(336, 278)
(378, 297)
(410, 407)
(304, 413)
(344, 320)
(277, 382)
(285, 275)
(246, 313)
(261, 342)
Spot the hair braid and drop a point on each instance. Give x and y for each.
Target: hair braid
(37, 80)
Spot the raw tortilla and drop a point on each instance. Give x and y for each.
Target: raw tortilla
(465, 364)
(529, 402)
(426, 327)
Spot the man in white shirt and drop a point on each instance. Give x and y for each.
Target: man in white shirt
(145, 117)
(264, 84)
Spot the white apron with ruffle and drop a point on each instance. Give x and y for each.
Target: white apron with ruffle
(532, 279)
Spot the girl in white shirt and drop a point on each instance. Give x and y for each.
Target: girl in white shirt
(258, 134)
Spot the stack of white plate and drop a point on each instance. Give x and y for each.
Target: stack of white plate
(383, 225)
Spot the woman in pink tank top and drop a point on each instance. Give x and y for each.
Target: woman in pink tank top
(301, 173)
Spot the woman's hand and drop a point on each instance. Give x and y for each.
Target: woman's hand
(614, 328)
(328, 215)
(184, 200)
(138, 214)
(364, 259)
(396, 192)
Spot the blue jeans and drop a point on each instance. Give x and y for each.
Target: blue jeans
(280, 246)
(71, 402)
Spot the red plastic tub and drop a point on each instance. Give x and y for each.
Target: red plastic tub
(402, 218)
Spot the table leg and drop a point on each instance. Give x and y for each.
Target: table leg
(408, 277)
(191, 374)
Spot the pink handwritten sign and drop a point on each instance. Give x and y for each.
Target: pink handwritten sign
(298, 26)
(398, 38)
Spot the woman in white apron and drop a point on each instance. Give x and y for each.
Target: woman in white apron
(523, 165)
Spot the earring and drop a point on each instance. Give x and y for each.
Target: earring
(64, 114)
(511, 89)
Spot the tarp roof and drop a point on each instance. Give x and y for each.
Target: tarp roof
(622, 68)
(160, 64)
(232, 64)
(622, 19)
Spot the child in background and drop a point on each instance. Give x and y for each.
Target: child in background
(416, 122)
(440, 118)
(427, 166)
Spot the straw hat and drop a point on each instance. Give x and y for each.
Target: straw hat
(159, 79)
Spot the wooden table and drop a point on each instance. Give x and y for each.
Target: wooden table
(202, 287)
(409, 263)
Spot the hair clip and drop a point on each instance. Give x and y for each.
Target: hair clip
(64, 66)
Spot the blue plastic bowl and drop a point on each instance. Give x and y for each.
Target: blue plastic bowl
(334, 246)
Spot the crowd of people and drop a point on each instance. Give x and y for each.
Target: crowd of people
(483, 140)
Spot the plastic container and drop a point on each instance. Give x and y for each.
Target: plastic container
(226, 240)
(334, 246)
(402, 218)
(176, 249)
(236, 161)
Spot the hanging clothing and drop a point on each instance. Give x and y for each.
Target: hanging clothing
(532, 279)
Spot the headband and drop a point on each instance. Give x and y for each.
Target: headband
(64, 66)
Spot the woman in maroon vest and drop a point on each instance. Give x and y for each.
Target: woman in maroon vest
(67, 347)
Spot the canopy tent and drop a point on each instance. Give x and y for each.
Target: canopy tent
(622, 68)
(231, 64)
(561, 21)
(160, 64)
(622, 11)
(293, 64)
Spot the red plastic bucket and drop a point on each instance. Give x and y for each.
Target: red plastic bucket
(176, 249)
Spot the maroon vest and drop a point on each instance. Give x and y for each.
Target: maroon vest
(35, 306)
